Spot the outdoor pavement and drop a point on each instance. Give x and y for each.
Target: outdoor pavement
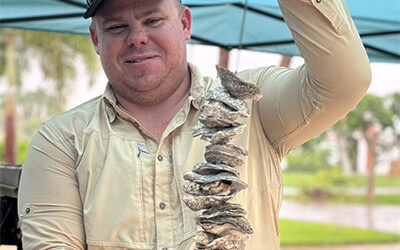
(383, 218)
(341, 247)
(348, 247)
(349, 190)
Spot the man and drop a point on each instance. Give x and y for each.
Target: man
(108, 174)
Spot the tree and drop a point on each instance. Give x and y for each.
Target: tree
(371, 117)
(394, 101)
(395, 109)
(343, 134)
(56, 54)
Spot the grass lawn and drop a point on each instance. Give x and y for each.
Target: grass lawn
(300, 180)
(307, 233)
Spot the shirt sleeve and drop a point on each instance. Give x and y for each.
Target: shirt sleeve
(49, 204)
(300, 103)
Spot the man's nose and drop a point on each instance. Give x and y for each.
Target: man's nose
(137, 37)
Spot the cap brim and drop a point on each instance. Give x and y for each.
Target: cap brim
(92, 9)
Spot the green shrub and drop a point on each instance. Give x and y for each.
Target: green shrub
(22, 149)
(320, 189)
(308, 161)
(330, 178)
(2, 151)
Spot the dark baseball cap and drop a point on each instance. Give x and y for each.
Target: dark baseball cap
(93, 5)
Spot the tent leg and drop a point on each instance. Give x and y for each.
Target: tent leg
(223, 58)
(285, 62)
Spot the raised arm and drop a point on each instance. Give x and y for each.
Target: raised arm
(299, 104)
(49, 204)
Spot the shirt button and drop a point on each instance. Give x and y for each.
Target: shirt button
(136, 125)
(318, 1)
(27, 210)
(162, 206)
(159, 158)
(164, 248)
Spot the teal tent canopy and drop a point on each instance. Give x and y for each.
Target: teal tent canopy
(223, 23)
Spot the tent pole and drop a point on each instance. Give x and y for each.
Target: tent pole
(223, 57)
(285, 62)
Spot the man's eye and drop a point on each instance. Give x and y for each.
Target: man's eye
(153, 21)
(116, 27)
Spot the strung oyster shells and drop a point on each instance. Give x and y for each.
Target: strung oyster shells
(211, 184)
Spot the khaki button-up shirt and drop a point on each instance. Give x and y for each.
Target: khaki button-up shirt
(95, 179)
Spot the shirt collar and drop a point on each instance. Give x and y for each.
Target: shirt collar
(111, 102)
(198, 85)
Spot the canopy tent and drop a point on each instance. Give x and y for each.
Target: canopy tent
(250, 24)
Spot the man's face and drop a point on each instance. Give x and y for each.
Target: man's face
(142, 47)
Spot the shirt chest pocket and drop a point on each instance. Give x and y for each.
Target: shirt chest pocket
(334, 11)
(111, 185)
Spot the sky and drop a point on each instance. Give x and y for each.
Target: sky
(385, 76)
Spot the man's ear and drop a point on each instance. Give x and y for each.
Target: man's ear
(94, 37)
(186, 20)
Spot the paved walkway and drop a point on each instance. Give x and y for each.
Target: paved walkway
(341, 247)
(384, 218)
(348, 247)
(349, 190)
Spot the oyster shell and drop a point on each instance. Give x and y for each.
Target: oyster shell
(211, 169)
(218, 135)
(237, 87)
(222, 95)
(222, 225)
(211, 108)
(204, 238)
(227, 178)
(231, 155)
(227, 242)
(213, 188)
(224, 209)
(216, 122)
(197, 203)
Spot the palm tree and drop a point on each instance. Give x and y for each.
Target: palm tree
(57, 55)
